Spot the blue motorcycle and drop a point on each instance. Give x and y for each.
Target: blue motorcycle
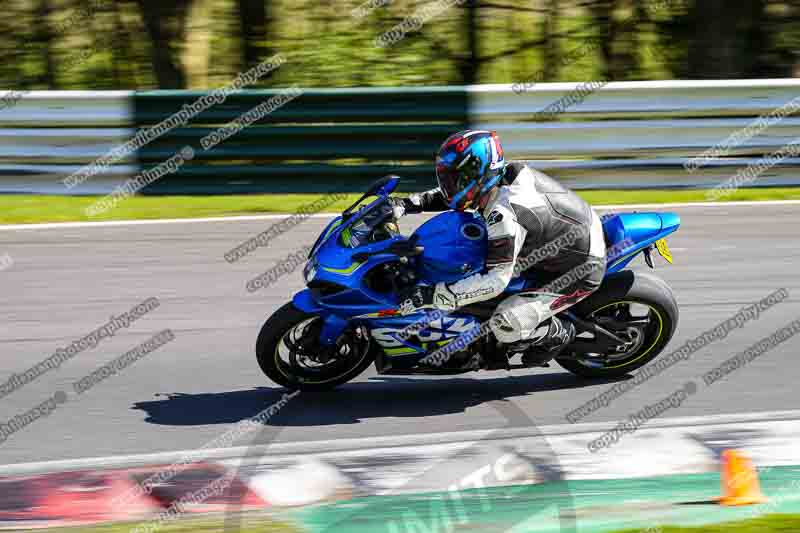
(347, 317)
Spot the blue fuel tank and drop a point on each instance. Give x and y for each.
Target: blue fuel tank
(455, 246)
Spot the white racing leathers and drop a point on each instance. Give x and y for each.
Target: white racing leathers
(539, 230)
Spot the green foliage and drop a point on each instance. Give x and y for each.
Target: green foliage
(108, 44)
(766, 524)
(23, 209)
(250, 524)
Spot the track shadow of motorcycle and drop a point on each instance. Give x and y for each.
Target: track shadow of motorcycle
(381, 397)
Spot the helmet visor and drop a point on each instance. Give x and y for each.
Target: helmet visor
(459, 186)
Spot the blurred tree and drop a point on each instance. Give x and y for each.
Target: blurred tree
(470, 61)
(618, 37)
(550, 36)
(253, 22)
(165, 21)
(44, 38)
(522, 44)
(204, 43)
(729, 39)
(123, 60)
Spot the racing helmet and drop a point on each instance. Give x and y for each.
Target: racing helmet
(469, 164)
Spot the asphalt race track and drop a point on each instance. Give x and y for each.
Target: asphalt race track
(66, 282)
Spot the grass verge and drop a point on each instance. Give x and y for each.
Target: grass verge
(778, 523)
(27, 209)
(768, 524)
(185, 525)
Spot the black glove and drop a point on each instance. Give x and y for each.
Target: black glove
(415, 298)
(422, 296)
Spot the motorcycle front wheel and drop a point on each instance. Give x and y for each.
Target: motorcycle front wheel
(289, 353)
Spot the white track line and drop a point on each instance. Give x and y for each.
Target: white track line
(349, 445)
(108, 223)
(247, 218)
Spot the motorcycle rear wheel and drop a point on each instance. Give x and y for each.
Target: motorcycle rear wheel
(612, 303)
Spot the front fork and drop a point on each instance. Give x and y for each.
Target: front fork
(332, 325)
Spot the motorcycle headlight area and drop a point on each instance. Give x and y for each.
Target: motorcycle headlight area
(310, 271)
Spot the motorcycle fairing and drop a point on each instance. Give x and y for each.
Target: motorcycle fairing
(454, 247)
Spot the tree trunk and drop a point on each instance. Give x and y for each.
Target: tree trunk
(157, 16)
(551, 48)
(603, 19)
(118, 56)
(253, 23)
(468, 67)
(728, 39)
(44, 36)
(619, 41)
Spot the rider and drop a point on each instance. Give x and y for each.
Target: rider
(524, 211)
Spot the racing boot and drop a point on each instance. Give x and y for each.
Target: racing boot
(550, 341)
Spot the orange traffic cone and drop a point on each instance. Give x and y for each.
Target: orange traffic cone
(739, 480)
